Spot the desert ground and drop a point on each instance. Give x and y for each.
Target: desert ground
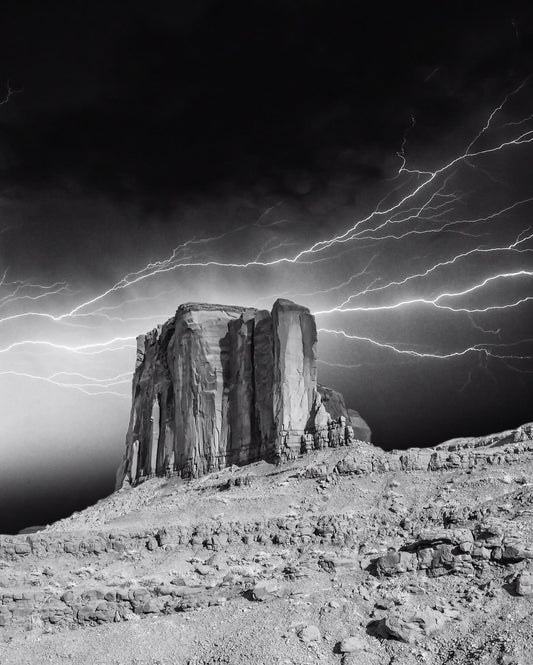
(340, 556)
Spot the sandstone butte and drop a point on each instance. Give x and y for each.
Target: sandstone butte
(218, 385)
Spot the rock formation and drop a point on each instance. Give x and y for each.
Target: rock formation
(336, 408)
(218, 385)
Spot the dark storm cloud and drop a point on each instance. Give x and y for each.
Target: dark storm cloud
(159, 101)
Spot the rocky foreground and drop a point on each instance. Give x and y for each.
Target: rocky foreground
(344, 555)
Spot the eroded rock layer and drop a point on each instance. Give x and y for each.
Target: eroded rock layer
(218, 385)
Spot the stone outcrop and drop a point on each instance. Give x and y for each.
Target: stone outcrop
(218, 385)
(361, 430)
(429, 547)
(335, 406)
(214, 578)
(506, 449)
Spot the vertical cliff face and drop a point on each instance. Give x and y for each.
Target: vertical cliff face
(200, 363)
(295, 365)
(219, 385)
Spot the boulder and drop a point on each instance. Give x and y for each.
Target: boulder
(267, 590)
(309, 634)
(352, 644)
(524, 583)
(407, 624)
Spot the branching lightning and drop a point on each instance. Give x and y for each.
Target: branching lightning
(477, 348)
(92, 388)
(425, 203)
(97, 347)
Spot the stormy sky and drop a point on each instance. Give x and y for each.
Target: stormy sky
(150, 152)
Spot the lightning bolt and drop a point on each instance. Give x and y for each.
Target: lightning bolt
(435, 301)
(423, 203)
(170, 263)
(476, 348)
(9, 93)
(100, 386)
(90, 349)
(42, 292)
